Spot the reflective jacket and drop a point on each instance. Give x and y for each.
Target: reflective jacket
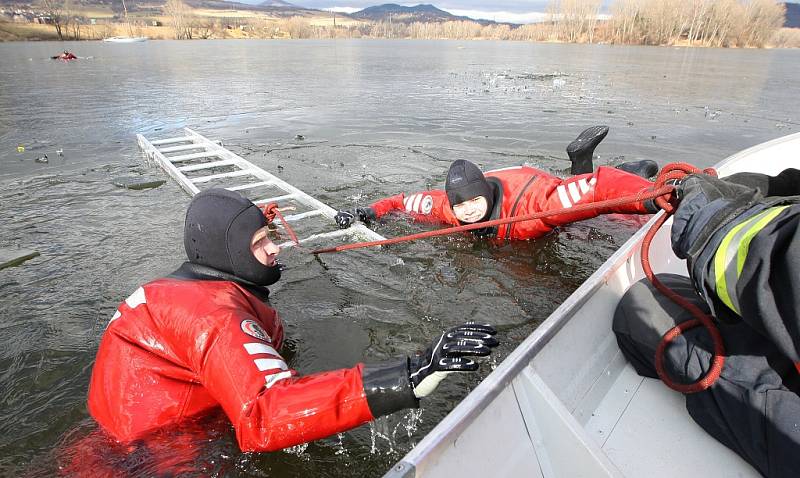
(524, 190)
(185, 344)
(750, 269)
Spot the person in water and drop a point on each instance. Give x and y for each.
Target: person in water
(741, 238)
(66, 56)
(471, 196)
(206, 337)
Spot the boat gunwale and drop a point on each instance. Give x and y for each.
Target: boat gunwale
(499, 379)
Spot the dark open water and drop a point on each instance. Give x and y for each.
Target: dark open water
(378, 117)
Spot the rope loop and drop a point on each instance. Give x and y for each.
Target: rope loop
(271, 211)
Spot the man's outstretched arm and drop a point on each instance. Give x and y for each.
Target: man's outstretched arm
(426, 206)
(271, 407)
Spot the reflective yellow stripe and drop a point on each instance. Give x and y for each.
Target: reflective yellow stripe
(736, 244)
(720, 263)
(744, 245)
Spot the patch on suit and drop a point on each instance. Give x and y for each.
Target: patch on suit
(427, 205)
(251, 328)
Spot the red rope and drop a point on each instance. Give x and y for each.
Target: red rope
(667, 203)
(271, 211)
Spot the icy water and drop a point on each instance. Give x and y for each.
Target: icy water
(377, 118)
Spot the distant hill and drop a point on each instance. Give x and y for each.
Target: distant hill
(275, 6)
(277, 3)
(401, 14)
(792, 15)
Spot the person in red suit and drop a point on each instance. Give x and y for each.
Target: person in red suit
(66, 56)
(205, 338)
(470, 196)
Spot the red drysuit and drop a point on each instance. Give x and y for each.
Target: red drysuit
(524, 190)
(180, 347)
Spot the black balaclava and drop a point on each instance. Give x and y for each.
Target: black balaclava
(219, 227)
(465, 181)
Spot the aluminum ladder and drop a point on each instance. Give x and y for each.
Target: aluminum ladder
(195, 154)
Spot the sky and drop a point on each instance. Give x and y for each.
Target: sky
(513, 11)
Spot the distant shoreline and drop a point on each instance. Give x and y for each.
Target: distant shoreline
(268, 28)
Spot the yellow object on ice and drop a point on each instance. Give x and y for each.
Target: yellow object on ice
(20, 149)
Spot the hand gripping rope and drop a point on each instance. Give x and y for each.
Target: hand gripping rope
(664, 196)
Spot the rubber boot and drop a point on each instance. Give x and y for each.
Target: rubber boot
(644, 168)
(580, 151)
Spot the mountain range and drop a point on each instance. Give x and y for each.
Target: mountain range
(423, 13)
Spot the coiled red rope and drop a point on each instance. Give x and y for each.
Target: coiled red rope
(663, 195)
(271, 211)
(676, 171)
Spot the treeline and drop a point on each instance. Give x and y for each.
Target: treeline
(748, 23)
(716, 23)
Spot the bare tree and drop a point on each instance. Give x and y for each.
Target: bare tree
(575, 19)
(55, 10)
(177, 11)
(761, 19)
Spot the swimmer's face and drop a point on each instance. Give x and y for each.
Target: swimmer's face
(471, 211)
(264, 250)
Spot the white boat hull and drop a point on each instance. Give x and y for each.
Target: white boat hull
(566, 404)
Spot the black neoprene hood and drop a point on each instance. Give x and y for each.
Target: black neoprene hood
(465, 181)
(217, 233)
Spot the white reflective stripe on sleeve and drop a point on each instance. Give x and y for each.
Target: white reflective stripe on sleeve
(409, 201)
(584, 185)
(275, 377)
(259, 348)
(270, 364)
(573, 191)
(405, 202)
(137, 298)
(417, 200)
(593, 181)
(562, 194)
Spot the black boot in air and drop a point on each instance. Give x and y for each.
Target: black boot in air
(580, 151)
(644, 168)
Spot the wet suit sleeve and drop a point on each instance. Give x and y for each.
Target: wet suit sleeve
(605, 183)
(427, 206)
(270, 406)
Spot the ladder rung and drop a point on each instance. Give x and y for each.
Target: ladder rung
(187, 157)
(212, 164)
(172, 140)
(183, 147)
(316, 237)
(276, 199)
(250, 186)
(233, 174)
(302, 215)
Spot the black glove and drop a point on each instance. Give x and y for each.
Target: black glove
(393, 386)
(449, 353)
(346, 218)
(706, 204)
